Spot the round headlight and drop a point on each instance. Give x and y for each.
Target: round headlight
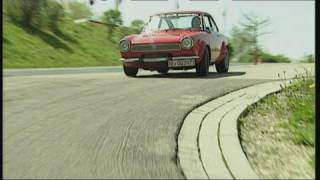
(124, 45)
(187, 43)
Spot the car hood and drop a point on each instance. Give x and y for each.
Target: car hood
(173, 36)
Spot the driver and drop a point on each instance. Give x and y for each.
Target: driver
(196, 22)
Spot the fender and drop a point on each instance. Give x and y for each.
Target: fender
(223, 50)
(200, 47)
(203, 50)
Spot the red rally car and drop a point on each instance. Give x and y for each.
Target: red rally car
(176, 40)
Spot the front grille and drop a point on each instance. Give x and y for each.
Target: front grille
(157, 55)
(155, 47)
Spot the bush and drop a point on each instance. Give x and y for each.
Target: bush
(24, 12)
(246, 56)
(265, 57)
(53, 13)
(113, 19)
(79, 10)
(231, 50)
(309, 58)
(124, 31)
(11, 10)
(35, 13)
(137, 25)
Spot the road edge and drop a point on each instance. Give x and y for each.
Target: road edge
(208, 142)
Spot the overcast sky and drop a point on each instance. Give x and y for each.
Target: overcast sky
(292, 22)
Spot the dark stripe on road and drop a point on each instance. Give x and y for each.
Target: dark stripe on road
(35, 72)
(58, 71)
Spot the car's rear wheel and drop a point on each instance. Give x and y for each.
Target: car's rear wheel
(223, 66)
(163, 71)
(129, 71)
(202, 68)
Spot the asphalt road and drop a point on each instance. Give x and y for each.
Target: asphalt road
(105, 125)
(65, 71)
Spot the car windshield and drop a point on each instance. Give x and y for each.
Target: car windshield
(173, 22)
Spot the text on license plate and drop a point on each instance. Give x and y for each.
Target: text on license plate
(181, 63)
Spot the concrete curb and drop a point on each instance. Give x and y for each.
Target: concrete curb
(208, 142)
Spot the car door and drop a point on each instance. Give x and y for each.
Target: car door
(213, 34)
(218, 38)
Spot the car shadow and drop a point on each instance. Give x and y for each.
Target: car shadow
(188, 75)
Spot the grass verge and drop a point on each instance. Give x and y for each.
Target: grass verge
(74, 45)
(278, 133)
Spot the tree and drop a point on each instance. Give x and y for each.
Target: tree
(35, 13)
(54, 13)
(240, 41)
(24, 12)
(245, 41)
(79, 10)
(30, 9)
(253, 28)
(137, 25)
(113, 19)
(308, 58)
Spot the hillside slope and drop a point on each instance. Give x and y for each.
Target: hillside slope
(75, 45)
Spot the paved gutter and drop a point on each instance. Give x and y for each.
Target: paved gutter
(208, 142)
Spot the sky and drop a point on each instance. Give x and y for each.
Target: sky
(292, 22)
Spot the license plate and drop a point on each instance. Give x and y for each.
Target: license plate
(181, 63)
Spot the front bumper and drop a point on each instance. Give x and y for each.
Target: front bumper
(157, 59)
(157, 63)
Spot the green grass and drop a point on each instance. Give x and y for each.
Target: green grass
(296, 104)
(75, 45)
(312, 161)
(301, 102)
(295, 107)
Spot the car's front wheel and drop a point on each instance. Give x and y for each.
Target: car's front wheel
(202, 68)
(223, 66)
(129, 71)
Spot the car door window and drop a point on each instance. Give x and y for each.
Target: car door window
(214, 27)
(207, 23)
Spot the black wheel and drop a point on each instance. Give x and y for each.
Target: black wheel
(203, 67)
(163, 71)
(223, 66)
(129, 71)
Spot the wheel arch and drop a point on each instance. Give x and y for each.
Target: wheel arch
(223, 48)
(209, 50)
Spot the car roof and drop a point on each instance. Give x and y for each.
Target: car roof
(181, 12)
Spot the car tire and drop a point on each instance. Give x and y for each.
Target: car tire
(202, 68)
(129, 71)
(223, 66)
(163, 71)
